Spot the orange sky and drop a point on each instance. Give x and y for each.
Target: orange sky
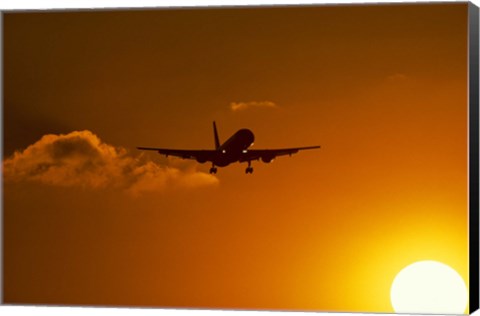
(383, 90)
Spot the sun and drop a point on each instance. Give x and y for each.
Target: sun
(429, 287)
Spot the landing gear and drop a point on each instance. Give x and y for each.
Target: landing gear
(213, 170)
(249, 168)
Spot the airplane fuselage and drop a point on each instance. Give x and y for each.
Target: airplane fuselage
(232, 150)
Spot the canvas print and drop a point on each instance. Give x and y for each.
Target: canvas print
(299, 158)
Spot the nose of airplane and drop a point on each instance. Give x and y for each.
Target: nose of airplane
(248, 135)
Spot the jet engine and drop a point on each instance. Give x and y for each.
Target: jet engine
(201, 159)
(267, 158)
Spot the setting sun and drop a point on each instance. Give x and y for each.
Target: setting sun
(429, 287)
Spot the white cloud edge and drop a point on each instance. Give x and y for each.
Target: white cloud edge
(97, 311)
(86, 4)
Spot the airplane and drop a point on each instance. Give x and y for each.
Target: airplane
(235, 149)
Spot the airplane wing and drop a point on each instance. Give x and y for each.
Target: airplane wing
(268, 155)
(201, 155)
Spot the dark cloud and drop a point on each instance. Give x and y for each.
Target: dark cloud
(81, 159)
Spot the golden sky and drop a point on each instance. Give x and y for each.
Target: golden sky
(90, 220)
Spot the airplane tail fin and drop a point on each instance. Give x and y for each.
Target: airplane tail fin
(215, 134)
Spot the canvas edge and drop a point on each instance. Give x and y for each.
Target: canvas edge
(238, 6)
(473, 100)
(2, 229)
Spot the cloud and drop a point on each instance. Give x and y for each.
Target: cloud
(81, 159)
(397, 77)
(240, 106)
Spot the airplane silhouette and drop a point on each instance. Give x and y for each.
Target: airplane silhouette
(235, 149)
